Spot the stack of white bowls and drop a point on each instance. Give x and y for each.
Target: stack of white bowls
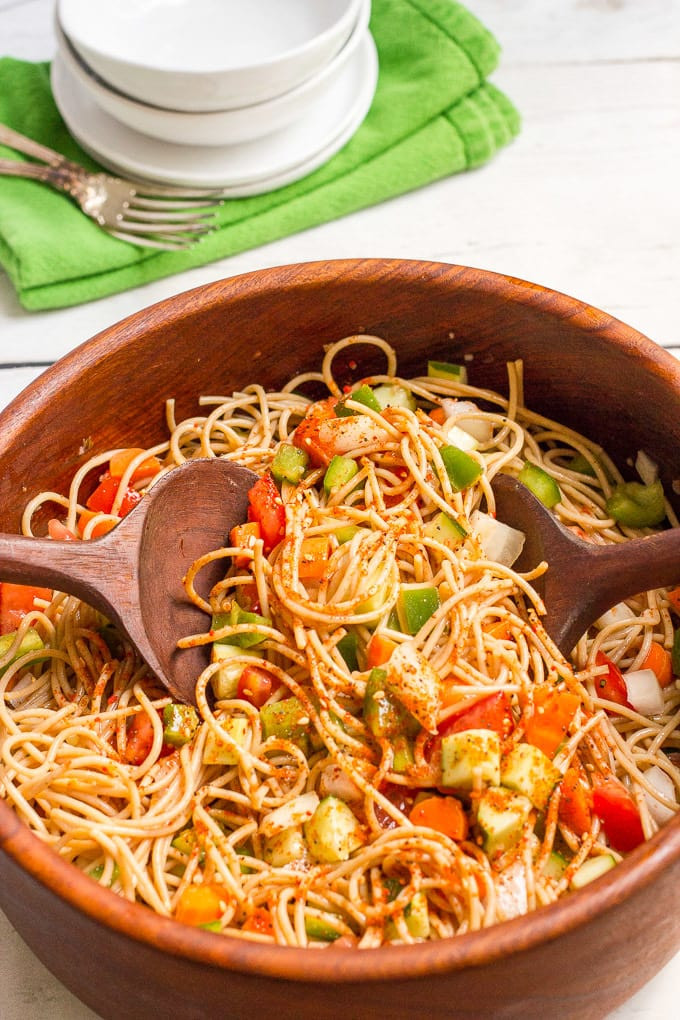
(240, 95)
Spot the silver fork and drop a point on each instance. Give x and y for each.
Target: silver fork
(154, 216)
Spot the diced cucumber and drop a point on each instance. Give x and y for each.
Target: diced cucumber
(403, 754)
(460, 438)
(340, 471)
(447, 370)
(347, 533)
(555, 866)
(320, 930)
(286, 847)
(392, 395)
(591, 869)
(185, 840)
(217, 750)
(415, 605)
(289, 463)
(225, 680)
(333, 832)
(501, 816)
(30, 642)
(445, 529)
(528, 770)
(471, 753)
(416, 913)
(384, 714)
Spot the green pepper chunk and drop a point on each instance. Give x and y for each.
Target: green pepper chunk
(348, 646)
(461, 468)
(340, 471)
(347, 533)
(289, 464)
(636, 505)
(287, 719)
(582, 465)
(403, 754)
(384, 714)
(543, 485)
(675, 652)
(363, 395)
(180, 722)
(322, 931)
(236, 617)
(30, 642)
(415, 606)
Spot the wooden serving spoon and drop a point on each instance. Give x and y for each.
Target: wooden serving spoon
(582, 580)
(133, 575)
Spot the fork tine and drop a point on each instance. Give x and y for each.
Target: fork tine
(169, 216)
(143, 202)
(133, 227)
(167, 244)
(152, 190)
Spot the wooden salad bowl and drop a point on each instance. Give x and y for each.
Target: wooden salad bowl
(578, 958)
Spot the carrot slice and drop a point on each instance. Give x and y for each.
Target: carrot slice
(120, 462)
(443, 814)
(201, 904)
(553, 712)
(379, 651)
(658, 659)
(259, 921)
(313, 558)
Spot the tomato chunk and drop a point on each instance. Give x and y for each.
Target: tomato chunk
(267, 509)
(15, 601)
(492, 713)
(618, 812)
(576, 802)
(139, 739)
(611, 684)
(256, 685)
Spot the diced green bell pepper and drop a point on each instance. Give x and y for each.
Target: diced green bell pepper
(543, 485)
(582, 465)
(636, 505)
(462, 469)
(362, 395)
(348, 647)
(384, 714)
(347, 533)
(445, 529)
(415, 606)
(236, 617)
(287, 719)
(289, 464)
(322, 931)
(340, 471)
(403, 754)
(446, 370)
(180, 722)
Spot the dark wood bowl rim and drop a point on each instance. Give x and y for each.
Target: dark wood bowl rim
(475, 949)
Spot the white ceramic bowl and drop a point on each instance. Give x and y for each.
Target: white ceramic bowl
(200, 55)
(218, 127)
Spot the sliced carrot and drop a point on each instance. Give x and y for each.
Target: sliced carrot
(15, 601)
(674, 598)
(120, 462)
(443, 814)
(438, 415)
(104, 526)
(259, 921)
(576, 802)
(313, 558)
(500, 630)
(658, 659)
(201, 904)
(243, 536)
(379, 651)
(547, 727)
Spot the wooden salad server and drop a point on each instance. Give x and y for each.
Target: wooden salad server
(583, 580)
(133, 574)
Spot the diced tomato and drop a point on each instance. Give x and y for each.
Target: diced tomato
(553, 712)
(403, 798)
(674, 599)
(379, 650)
(257, 685)
(58, 531)
(201, 904)
(139, 739)
(443, 814)
(438, 415)
(99, 529)
(611, 685)
(491, 713)
(618, 812)
(15, 601)
(120, 462)
(576, 802)
(266, 507)
(248, 598)
(259, 921)
(103, 497)
(306, 435)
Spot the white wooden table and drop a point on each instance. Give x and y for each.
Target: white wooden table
(585, 200)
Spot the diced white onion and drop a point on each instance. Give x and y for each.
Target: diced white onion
(665, 787)
(458, 437)
(499, 541)
(647, 468)
(294, 812)
(458, 411)
(511, 891)
(617, 614)
(644, 692)
(333, 782)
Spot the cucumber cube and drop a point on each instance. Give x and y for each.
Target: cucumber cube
(528, 770)
(501, 817)
(470, 753)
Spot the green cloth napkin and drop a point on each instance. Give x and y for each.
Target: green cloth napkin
(433, 115)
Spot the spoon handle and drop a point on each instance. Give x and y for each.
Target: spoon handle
(641, 564)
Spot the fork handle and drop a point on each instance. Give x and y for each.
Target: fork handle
(12, 138)
(59, 177)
